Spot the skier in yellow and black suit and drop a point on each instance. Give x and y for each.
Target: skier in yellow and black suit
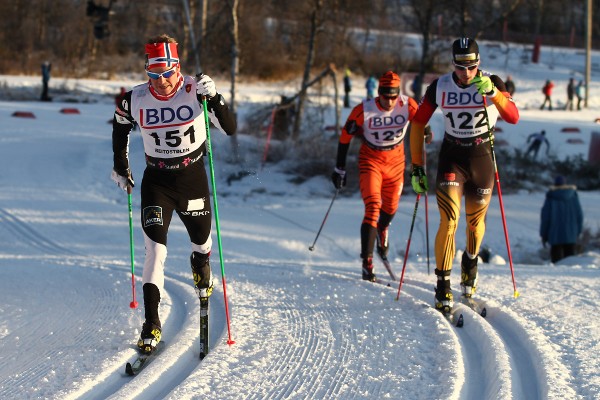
(465, 165)
(381, 123)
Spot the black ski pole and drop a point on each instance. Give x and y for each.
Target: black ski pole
(311, 248)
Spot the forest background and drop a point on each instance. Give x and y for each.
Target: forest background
(272, 39)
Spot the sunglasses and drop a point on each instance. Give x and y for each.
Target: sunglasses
(390, 98)
(464, 68)
(166, 74)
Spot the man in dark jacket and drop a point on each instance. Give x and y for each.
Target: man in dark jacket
(562, 219)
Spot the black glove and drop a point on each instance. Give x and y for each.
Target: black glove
(123, 179)
(338, 177)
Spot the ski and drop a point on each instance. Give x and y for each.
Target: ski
(203, 327)
(474, 304)
(455, 317)
(140, 363)
(387, 265)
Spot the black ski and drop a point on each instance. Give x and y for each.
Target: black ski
(388, 266)
(203, 327)
(476, 305)
(140, 363)
(455, 317)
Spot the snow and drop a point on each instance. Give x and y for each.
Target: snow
(305, 325)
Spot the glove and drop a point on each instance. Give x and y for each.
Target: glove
(484, 84)
(428, 135)
(121, 180)
(544, 243)
(206, 87)
(419, 179)
(338, 177)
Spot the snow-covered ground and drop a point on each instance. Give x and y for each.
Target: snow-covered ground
(305, 325)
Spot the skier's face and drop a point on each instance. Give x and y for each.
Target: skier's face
(388, 102)
(466, 73)
(164, 79)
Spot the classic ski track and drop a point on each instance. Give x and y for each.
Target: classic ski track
(178, 360)
(505, 336)
(29, 235)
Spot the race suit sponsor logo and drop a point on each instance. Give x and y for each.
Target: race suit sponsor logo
(152, 215)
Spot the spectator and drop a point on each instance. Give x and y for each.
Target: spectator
(120, 96)
(561, 220)
(371, 84)
(547, 90)
(347, 88)
(46, 68)
(416, 87)
(536, 140)
(510, 85)
(579, 92)
(570, 94)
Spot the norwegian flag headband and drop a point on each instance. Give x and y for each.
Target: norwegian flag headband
(161, 55)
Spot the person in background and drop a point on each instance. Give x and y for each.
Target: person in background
(579, 92)
(561, 220)
(570, 94)
(46, 69)
(120, 96)
(536, 139)
(547, 90)
(347, 88)
(381, 124)
(510, 85)
(170, 115)
(471, 101)
(370, 85)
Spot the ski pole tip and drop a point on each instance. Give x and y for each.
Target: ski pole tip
(517, 294)
(311, 248)
(230, 342)
(133, 304)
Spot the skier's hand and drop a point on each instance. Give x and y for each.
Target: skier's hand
(206, 87)
(544, 243)
(338, 177)
(419, 179)
(122, 181)
(428, 135)
(483, 84)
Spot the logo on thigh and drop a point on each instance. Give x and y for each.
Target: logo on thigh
(152, 215)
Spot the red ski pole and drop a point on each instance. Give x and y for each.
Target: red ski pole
(412, 225)
(491, 133)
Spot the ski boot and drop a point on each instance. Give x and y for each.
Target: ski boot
(201, 271)
(468, 275)
(444, 300)
(382, 242)
(149, 338)
(367, 270)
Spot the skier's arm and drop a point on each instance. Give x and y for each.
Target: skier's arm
(503, 102)
(420, 120)
(122, 125)
(225, 119)
(352, 128)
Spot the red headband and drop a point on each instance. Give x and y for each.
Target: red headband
(161, 55)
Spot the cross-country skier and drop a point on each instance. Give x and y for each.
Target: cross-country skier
(381, 124)
(470, 100)
(169, 112)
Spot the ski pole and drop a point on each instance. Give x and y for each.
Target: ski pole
(311, 248)
(133, 303)
(412, 225)
(214, 191)
(497, 175)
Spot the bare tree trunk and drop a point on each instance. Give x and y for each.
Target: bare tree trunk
(235, 67)
(314, 25)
